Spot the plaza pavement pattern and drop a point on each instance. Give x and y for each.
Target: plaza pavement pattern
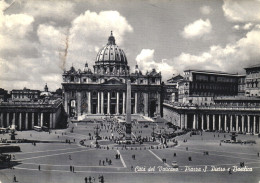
(56, 158)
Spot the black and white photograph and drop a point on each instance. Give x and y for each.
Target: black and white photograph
(138, 91)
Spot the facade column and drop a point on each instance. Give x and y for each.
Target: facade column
(79, 103)
(123, 102)
(248, 124)
(66, 102)
(231, 123)
(117, 102)
(243, 122)
(159, 103)
(51, 121)
(202, 121)
(26, 121)
(135, 102)
(32, 120)
(237, 129)
(219, 122)
(89, 102)
(146, 104)
(102, 102)
(108, 102)
(98, 104)
(41, 124)
(7, 120)
(208, 122)
(1, 119)
(54, 120)
(185, 121)
(20, 121)
(13, 122)
(194, 121)
(225, 123)
(214, 122)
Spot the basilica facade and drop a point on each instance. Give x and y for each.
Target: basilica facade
(103, 89)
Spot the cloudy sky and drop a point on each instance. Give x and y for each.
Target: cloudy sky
(39, 39)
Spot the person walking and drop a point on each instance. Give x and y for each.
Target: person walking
(14, 179)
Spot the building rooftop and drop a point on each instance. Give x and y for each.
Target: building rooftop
(241, 98)
(212, 72)
(253, 66)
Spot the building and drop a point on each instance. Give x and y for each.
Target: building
(200, 87)
(103, 90)
(26, 115)
(25, 95)
(252, 81)
(3, 95)
(170, 89)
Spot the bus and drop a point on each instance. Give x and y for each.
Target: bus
(37, 128)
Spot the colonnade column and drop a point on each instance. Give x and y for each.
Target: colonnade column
(26, 121)
(237, 129)
(248, 124)
(41, 124)
(117, 102)
(20, 121)
(214, 121)
(135, 102)
(202, 121)
(108, 102)
(231, 123)
(123, 102)
(7, 120)
(208, 122)
(219, 122)
(225, 123)
(254, 125)
(78, 103)
(89, 102)
(243, 122)
(102, 102)
(185, 121)
(1, 119)
(13, 122)
(98, 104)
(32, 120)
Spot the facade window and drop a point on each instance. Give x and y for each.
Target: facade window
(153, 80)
(84, 80)
(141, 81)
(113, 94)
(73, 94)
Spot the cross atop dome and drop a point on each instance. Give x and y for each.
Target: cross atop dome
(111, 39)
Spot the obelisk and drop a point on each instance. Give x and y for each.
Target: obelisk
(128, 125)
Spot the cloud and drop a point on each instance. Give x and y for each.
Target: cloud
(236, 27)
(242, 11)
(145, 61)
(205, 10)
(231, 58)
(247, 26)
(56, 10)
(34, 53)
(197, 29)
(90, 31)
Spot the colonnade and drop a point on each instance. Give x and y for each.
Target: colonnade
(26, 120)
(226, 122)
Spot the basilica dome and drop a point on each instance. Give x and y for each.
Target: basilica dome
(111, 53)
